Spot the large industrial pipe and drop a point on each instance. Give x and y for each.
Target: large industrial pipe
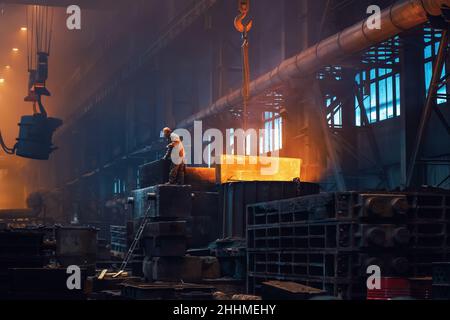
(399, 17)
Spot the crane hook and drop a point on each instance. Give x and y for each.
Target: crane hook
(244, 7)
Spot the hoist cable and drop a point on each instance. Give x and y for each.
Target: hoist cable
(28, 39)
(39, 32)
(244, 7)
(51, 31)
(41, 28)
(33, 36)
(5, 148)
(246, 79)
(46, 27)
(36, 26)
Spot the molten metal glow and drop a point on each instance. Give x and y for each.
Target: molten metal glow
(200, 175)
(251, 168)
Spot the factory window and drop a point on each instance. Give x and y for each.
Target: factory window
(232, 142)
(248, 145)
(272, 140)
(209, 141)
(334, 113)
(380, 83)
(432, 41)
(119, 186)
(333, 75)
(240, 144)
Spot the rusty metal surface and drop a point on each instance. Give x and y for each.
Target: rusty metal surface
(76, 245)
(166, 291)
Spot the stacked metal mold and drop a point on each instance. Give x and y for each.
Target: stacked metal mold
(441, 281)
(165, 237)
(165, 253)
(196, 203)
(77, 246)
(328, 241)
(236, 196)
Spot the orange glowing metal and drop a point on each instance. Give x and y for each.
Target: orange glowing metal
(251, 168)
(200, 175)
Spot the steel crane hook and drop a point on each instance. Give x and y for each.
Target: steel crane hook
(244, 7)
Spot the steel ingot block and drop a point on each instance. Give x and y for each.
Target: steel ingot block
(163, 201)
(165, 228)
(154, 173)
(167, 269)
(205, 204)
(165, 246)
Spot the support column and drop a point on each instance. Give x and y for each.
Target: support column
(412, 99)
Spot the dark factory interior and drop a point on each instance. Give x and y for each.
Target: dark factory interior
(224, 150)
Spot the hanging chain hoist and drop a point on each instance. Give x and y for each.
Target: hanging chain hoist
(36, 131)
(39, 39)
(244, 29)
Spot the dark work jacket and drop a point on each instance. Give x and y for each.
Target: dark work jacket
(168, 155)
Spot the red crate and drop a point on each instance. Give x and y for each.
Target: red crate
(391, 288)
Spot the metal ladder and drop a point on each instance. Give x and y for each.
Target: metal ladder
(133, 246)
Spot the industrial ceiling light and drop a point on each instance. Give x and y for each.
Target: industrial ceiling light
(2, 81)
(7, 67)
(23, 29)
(15, 50)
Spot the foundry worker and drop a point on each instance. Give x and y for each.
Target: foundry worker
(176, 154)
